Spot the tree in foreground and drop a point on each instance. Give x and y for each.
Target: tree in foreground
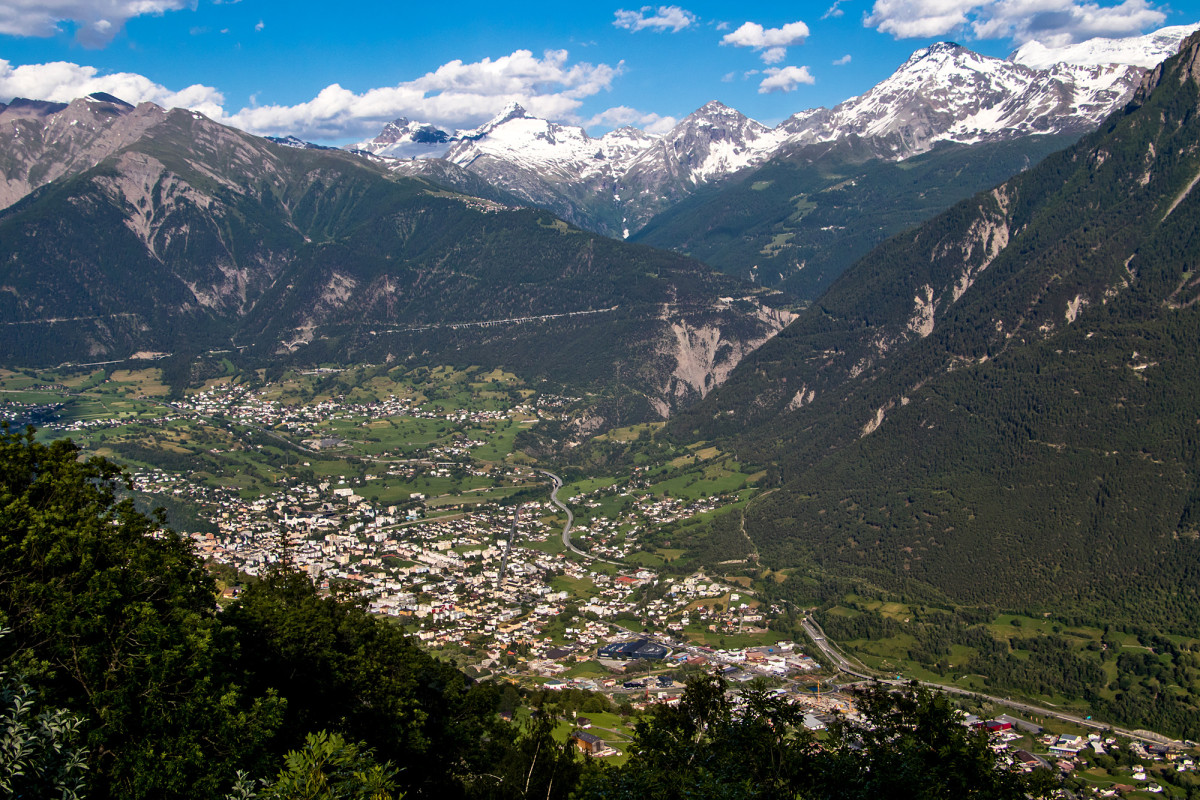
(327, 767)
(113, 619)
(910, 745)
(40, 754)
(114, 625)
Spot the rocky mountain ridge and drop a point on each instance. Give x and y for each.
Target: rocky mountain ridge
(944, 93)
(1010, 386)
(42, 141)
(145, 230)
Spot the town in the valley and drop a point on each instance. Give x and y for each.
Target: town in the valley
(409, 492)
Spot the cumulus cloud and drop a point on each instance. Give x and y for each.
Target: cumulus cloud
(457, 94)
(97, 21)
(672, 18)
(773, 55)
(661, 126)
(619, 116)
(62, 82)
(920, 18)
(785, 79)
(772, 43)
(751, 34)
(1052, 22)
(842, 61)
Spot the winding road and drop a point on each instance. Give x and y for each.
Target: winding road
(858, 670)
(566, 534)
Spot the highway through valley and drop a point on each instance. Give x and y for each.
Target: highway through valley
(844, 664)
(855, 669)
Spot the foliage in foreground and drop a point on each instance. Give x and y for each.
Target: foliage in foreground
(39, 751)
(143, 691)
(909, 744)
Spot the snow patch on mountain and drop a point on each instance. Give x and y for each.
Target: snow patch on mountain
(942, 93)
(1140, 51)
(402, 138)
(537, 144)
(946, 92)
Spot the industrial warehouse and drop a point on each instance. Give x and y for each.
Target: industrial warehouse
(637, 649)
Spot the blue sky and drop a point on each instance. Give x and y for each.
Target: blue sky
(335, 73)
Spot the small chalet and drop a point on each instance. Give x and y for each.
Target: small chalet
(587, 742)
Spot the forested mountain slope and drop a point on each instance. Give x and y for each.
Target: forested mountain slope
(1001, 406)
(187, 235)
(798, 221)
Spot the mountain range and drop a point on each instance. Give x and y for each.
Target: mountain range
(1000, 406)
(130, 229)
(945, 93)
(145, 230)
(996, 407)
(137, 228)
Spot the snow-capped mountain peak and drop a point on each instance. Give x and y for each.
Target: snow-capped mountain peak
(402, 138)
(934, 51)
(711, 141)
(941, 93)
(510, 112)
(714, 108)
(1140, 51)
(946, 92)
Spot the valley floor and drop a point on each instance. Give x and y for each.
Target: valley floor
(410, 489)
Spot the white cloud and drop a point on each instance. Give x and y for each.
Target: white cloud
(671, 18)
(728, 77)
(834, 11)
(619, 116)
(919, 18)
(751, 34)
(842, 61)
(773, 55)
(772, 43)
(1052, 22)
(456, 94)
(785, 79)
(98, 21)
(1064, 22)
(259, 26)
(660, 127)
(62, 82)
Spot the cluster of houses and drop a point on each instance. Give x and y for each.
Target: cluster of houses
(1064, 753)
(258, 408)
(616, 538)
(544, 612)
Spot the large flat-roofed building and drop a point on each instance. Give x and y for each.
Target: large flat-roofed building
(638, 648)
